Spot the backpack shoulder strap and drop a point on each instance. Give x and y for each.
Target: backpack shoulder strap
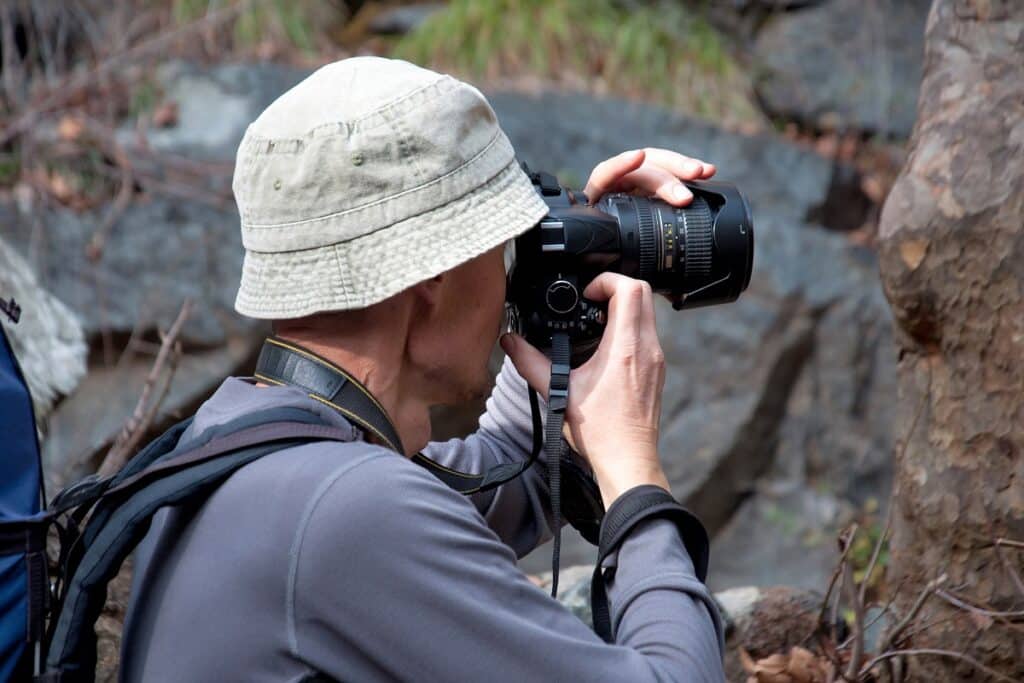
(123, 515)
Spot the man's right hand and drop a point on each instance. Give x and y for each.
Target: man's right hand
(615, 397)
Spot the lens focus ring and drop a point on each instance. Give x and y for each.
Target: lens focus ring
(648, 245)
(698, 239)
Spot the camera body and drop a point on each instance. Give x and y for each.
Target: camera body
(698, 255)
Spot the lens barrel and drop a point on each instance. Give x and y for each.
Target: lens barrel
(700, 254)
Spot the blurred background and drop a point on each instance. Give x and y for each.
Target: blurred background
(119, 120)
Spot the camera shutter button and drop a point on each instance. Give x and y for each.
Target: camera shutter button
(562, 296)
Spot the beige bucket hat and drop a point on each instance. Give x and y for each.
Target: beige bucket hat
(367, 177)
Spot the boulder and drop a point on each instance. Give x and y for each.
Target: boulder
(160, 252)
(843, 64)
(761, 621)
(82, 429)
(791, 384)
(45, 335)
(214, 106)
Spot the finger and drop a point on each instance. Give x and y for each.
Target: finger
(625, 302)
(650, 179)
(709, 170)
(680, 165)
(530, 362)
(606, 174)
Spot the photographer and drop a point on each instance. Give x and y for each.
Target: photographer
(376, 201)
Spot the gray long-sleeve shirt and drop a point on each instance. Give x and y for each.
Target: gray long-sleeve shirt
(349, 560)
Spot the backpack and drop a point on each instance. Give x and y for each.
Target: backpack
(48, 634)
(22, 544)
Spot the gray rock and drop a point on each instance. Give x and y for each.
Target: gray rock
(47, 338)
(785, 537)
(843, 64)
(569, 134)
(573, 590)
(82, 429)
(792, 383)
(762, 621)
(215, 105)
(160, 252)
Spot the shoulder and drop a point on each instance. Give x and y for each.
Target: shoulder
(378, 496)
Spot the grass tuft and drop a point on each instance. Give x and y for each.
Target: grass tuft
(654, 50)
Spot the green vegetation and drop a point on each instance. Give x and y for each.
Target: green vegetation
(655, 50)
(292, 23)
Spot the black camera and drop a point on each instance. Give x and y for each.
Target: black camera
(697, 255)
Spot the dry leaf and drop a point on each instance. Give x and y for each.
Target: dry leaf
(799, 666)
(70, 128)
(61, 188)
(166, 115)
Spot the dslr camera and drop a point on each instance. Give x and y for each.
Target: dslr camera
(697, 255)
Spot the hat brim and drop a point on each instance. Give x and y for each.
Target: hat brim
(371, 268)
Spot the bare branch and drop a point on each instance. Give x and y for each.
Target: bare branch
(962, 603)
(866, 671)
(856, 601)
(65, 92)
(136, 426)
(897, 630)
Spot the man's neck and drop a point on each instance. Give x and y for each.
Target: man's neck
(380, 368)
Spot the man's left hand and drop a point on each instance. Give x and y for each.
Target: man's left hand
(648, 171)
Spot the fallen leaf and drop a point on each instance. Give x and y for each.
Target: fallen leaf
(70, 128)
(61, 188)
(798, 666)
(166, 114)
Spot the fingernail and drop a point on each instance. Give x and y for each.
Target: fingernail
(680, 192)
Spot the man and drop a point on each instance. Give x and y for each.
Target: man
(376, 200)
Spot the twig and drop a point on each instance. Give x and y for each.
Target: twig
(865, 672)
(845, 546)
(1014, 575)
(1009, 544)
(858, 622)
(897, 630)
(960, 602)
(876, 552)
(67, 91)
(94, 250)
(144, 412)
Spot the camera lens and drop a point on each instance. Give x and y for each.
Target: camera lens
(699, 254)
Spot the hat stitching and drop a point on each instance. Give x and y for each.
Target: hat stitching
(360, 123)
(379, 283)
(419, 188)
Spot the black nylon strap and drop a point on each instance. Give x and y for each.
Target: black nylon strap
(282, 362)
(119, 525)
(554, 445)
(632, 507)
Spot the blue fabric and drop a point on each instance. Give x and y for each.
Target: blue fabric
(19, 499)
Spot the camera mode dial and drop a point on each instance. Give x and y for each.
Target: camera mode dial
(562, 296)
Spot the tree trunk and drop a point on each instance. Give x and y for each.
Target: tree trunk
(952, 262)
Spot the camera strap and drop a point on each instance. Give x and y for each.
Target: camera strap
(283, 363)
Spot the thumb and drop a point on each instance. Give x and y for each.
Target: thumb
(531, 364)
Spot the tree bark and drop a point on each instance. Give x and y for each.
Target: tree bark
(952, 263)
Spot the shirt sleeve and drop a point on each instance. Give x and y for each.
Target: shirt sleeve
(397, 577)
(520, 510)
